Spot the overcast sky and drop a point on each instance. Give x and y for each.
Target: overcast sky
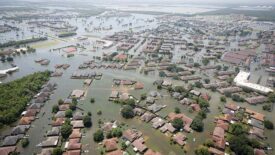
(241, 2)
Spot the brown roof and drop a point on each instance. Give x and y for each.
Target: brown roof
(110, 144)
(64, 107)
(179, 138)
(139, 145)
(30, 113)
(58, 122)
(75, 134)
(255, 114)
(6, 150)
(131, 134)
(215, 151)
(26, 120)
(259, 152)
(72, 152)
(232, 106)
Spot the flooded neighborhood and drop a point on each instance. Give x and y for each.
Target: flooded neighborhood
(137, 78)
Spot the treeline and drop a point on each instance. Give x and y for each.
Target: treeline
(15, 95)
(67, 34)
(20, 42)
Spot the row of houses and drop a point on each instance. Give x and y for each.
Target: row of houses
(28, 116)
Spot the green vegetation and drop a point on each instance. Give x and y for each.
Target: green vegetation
(25, 142)
(98, 136)
(202, 150)
(223, 99)
(92, 100)
(267, 107)
(116, 132)
(17, 94)
(143, 96)
(239, 144)
(66, 34)
(87, 121)
(177, 110)
(55, 108)
(197, 124)
(57, 151)
(127, 112)
(21, 42)
(268, 124)
(69, 113)
(177, 123)
(66, 129)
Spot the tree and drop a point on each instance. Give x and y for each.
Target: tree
(55, 108)
(223, 99)
(203, 103)
(159, 87)
(237, 129)
(267, 107)
(69, 113)
(237, 98)
(219, 67)
(127, 112)
(202, 150)
(98, 136)
(66, 129)
(196, 65)
(123, 146)
(73, 106)
(25, 142)
(225, 68)
(177, 123)
(179, 89)
(237, 69)
(57, 151)
(177, 110)
(268, 124)
(205, 62)
(60, 101)
(92, 100)
(238, 144)
(143, 96)
(206, 81)
(197, 124)
(271, 97)
(87, 121)
(116, 132)
(162, 74)
(198, 84)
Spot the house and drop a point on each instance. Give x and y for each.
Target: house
(26, 120)
(139, 85)
(75, 134)
(50, 141)
(218, 137)
(114, 95)
(53, 132)
(179, 138)
(259, 152)
(187, 121)
(232, 89)
(72, 152)
(108, 126)
(110, 144)
(255, 115)
(257, 132)
(77, 124)
(146, 117)
(155, 107)
(139, 146)
(167, 127)
(195, 107)
(58, 121)
(78, 115)
(77, 93)
(20, 129)
(150, 100)
(157, 122)
(186, 101)
(30, 113)
(131, 134)
(73, 144)
(166, 83)
(138, 111)
(60, 114)
(256, 100)
(46, 151)
(7, 150)
(12, 140)
(64, 107)
(196, 93)
(215, 151)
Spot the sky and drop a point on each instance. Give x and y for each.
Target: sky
(258, 2)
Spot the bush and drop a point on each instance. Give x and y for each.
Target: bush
(268, 124)
(237, 98)
(198, 84)
(60, 101)
(179, 89)
(159, 87)
(57, 151)
(267, 107)
(123, 146)
(69, 113)
(177, 110)
(55, 108)
(143, 96)
(162, 74)
(99, 112)
(202, 150)
(25, 142)
(98, 136)
(127, 112)
(223, 99)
